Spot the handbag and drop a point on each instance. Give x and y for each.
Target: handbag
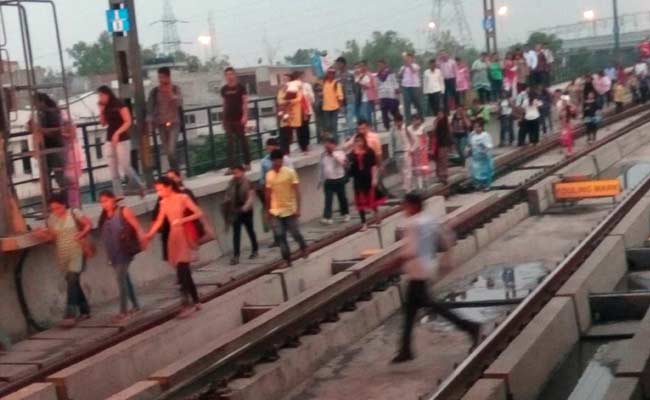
(129, 237)
(88, 247)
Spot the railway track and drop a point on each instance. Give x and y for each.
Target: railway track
(471, 369)
(205, 375)
(368, 276)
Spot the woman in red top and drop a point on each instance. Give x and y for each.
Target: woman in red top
(364, 171)
(510, 74)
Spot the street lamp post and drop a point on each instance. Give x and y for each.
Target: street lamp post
(617, 31)
(489, 25)
(205, 41)
(590, 15)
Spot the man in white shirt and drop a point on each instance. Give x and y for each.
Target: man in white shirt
(411, 85)
(531, 59)
(333, 179)
(366, 82)
(449, 70)
(434, 86)
(424, 238)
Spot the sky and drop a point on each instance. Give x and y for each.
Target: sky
(243, 26)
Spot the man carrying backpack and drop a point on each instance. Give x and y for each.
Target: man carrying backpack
(164, 109)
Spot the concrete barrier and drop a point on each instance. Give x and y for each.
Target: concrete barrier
(272, 381)
(583, 166)
(464, 251)
(600, 273)
(540, 196)
(487, 389)
(606, 156)
(134, 359)
(624, 389)
(531, 357)
(317, 268)
(635, 362)
(635, 226)
(143, 390)
(630, 142)
(35, 391)
(186, 366)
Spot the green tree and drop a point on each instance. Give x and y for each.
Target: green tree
(352, 52)
(388, 46)
(554, 43)
(93, 58)
(150, 55)
(445, 41)
(301, 57)
(216, 64)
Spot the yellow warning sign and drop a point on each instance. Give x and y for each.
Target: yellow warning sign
(587, 189)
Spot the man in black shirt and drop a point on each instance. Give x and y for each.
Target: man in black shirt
(235, 117)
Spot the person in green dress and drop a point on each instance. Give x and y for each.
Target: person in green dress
(480, 78)
(496, 77)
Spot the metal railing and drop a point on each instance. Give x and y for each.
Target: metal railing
(201, 145)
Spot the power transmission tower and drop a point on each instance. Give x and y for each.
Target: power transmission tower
(270, 49)
(213, 35)
(171, 42)
(449, 15)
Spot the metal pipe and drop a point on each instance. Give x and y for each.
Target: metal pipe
(20, 293)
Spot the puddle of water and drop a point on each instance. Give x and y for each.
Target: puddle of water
(495, 282)
(586, 373)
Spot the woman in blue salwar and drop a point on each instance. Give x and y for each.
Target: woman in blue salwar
(482, 163)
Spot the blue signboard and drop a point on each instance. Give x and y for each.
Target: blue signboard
(488, 23)
(118, 20)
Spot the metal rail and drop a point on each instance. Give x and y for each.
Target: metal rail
(475, 220)
(471, 369)
(283, 325)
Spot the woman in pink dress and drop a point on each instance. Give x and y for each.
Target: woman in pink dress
(567, 112)
(463, 80)
(510, 75)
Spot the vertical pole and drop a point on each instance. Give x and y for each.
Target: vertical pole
(486, 13)
(617, 32)
(128, 64)
(494, 27)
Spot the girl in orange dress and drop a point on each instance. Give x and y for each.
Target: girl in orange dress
(181, 212)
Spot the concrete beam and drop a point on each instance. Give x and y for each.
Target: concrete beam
(531, 357)
(209, 352)
(540, 196)
(624, 389)
(635, 226)
(635, 362)
(487, 389)
(35, 391)
(134, 359)
(250, 312)
(143, 390)
(600, 272)
(606, 156)
(274, 380)
(630, 142)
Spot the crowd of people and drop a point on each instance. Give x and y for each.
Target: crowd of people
(460, 98)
